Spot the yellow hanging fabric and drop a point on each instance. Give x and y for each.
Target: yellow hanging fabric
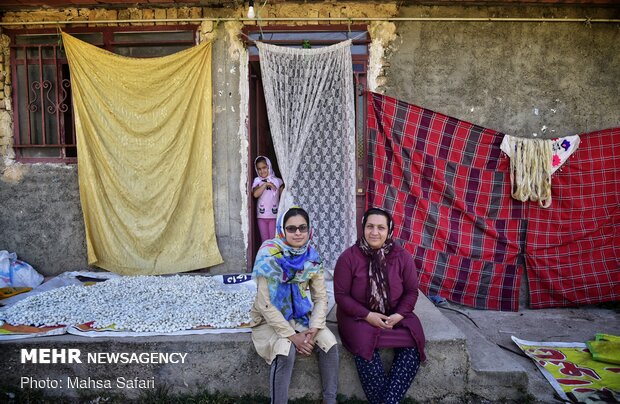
(143, 131)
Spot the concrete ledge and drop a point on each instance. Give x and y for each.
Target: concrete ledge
(228, 363)
(493, 374)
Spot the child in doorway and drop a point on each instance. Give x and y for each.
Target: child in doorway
(266, 188)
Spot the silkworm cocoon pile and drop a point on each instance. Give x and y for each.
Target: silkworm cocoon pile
(139, 303)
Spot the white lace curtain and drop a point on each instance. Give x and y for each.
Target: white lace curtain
(309, 95)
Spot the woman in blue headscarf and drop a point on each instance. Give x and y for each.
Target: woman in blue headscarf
(286, 320)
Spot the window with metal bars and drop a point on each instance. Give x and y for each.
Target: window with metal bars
(43, 114)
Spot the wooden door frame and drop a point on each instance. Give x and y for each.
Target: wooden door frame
(257, 121)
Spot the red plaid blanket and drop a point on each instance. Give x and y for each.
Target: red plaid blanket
(573, 247)
(448, 187)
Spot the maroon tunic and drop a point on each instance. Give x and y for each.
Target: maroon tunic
(351, 292)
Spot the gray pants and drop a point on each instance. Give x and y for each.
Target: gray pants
(282, 370)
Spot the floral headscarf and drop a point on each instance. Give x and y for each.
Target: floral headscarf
(285, 269)
(271, 177)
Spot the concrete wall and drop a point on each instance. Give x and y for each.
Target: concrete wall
(41, 218)
(229, 148)
(228, 363)
(525, 79)
(515, 77)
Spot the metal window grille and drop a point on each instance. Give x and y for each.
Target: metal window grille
(43, 114)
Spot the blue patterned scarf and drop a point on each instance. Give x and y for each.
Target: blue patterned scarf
(285, 269)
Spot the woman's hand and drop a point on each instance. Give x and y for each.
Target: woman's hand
(393, 319)
(311, 334)
(377, 320)
(302, 345)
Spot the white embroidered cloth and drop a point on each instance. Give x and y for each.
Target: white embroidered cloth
(309, 95)
(561, 147)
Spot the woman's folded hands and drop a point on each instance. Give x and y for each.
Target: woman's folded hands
(382, 321)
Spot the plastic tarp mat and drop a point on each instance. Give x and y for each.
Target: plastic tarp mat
(573, 373)
(21, 331)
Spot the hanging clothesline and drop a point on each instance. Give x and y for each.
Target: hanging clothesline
(585, 20)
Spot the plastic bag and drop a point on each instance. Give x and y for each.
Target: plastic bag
(5, 268)
(17, 273)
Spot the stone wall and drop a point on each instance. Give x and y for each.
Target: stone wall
(6, 117)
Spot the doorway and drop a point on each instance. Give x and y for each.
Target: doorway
(260, 142)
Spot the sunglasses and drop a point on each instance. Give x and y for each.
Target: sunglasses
(293, 229)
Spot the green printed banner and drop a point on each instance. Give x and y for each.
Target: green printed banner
(572, 371)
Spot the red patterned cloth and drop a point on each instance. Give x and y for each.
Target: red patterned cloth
(573, 247)
(447, 185)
